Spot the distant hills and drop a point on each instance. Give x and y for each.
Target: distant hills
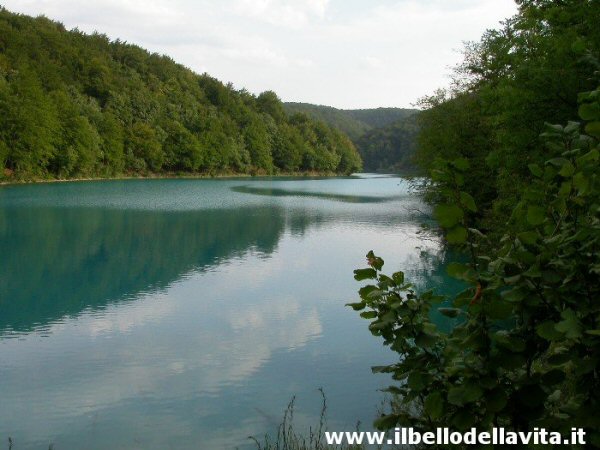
(390, 148)
(384, 137)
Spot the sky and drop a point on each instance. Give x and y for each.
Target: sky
(342, 53)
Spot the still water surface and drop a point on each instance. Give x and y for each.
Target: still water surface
(185, 314)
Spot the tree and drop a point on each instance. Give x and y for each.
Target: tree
(74, 104)
(526, 345)
(28, 124)
(258, 143)
(510, 84)
(269, 103)
(144, 148)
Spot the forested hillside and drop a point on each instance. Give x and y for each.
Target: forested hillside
(390, 148)
(78, 105)
(384, 137)
(381, 117)
(337, 118)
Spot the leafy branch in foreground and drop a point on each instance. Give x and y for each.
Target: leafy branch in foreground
(525, 350)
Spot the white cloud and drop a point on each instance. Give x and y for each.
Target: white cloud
(371, 62)
(345, 53)
(284, 13)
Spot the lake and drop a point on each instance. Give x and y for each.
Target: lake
(185, 314)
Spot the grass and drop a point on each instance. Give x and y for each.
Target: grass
(287, 437)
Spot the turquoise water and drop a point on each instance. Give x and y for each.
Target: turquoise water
(185, 314)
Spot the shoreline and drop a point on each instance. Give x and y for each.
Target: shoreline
(172, 176)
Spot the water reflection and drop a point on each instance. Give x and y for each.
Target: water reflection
(280, 192)
(59, 261)
(185, 314)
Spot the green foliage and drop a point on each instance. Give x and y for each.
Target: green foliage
(525, 348)
(390, 148)
(74, 105)
(381, 117)
(337, 118)
(385, 137)
(510, 84)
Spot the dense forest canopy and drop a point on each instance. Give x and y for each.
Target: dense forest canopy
(511, 83)
(384, 137)
(391, 147)
(381, 117)
(79, 105)
(337, 118)
(512, 158)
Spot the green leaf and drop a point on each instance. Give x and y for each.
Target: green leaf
(375, 293)
(386, 422)
(536, 215)
(553, 129)
(557, 162)
(578, 47)
(374, 261)
(590, 157)
(570, 324)
(589, 111)
(398, 278)
(378, 326)
(533, 272)
(366, 290)
(368, 314)
(478, 233)
(472, 392)
(528, 237)
(356, 306)
(468, 201)
(425, 340)
(536, 170)
(567, 170)
(547, 330)
(457, 235)
(463, 298)
(415, 381)
(581, 182)
(593, 332)
(593, 129)
(511, 343)
(365, 274)
(461, 164)
(382, 369)
(514, 295)
(458, 271)
(513, 279)
(448, 215)
(455, 396)
(572, 127)
(565, 188)
(468, 393)
(434, 405)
